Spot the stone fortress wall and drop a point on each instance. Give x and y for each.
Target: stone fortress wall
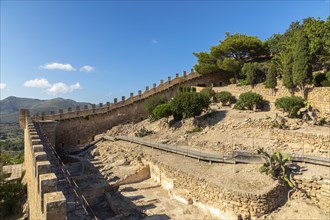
(44, 199)
(77, 128)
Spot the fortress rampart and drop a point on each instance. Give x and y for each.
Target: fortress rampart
(45, 200)
(77, 128)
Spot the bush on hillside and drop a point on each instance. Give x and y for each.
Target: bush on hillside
(153, 101)
(10, 195)
(209, 92)
(187, 105)
(232, 80)
(226, 98)
(291, 105)
(249, 101)
(162, 111)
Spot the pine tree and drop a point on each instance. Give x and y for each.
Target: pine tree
(271, 77)
(287, 72)
(302, 69)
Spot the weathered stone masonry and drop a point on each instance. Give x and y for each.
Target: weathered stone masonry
(77, 128)
(45, 201)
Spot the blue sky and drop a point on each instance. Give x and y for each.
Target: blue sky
(97, 50)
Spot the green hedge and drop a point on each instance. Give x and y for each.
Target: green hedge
(249, 101)
(291, 105)
(226, 98)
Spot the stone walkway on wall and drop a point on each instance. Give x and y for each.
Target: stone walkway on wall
(75, 209)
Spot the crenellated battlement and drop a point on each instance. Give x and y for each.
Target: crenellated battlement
(104, 108)
(77, 127)
(46, 201)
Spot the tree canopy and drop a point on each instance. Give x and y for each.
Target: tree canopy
(302, 70)
(235, 51)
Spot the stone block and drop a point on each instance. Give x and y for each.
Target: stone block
(47, 183)
(40, 156)
(54, 206)
(35, 141)
(43, 167)
(38, 148)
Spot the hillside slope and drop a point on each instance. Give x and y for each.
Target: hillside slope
(9, 107)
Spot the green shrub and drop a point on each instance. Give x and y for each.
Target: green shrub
(232, 80)
(142, 132)
(152, 118)
(162, 111)
(291, 105)
(209, 92)
(249, 101)
(186, 105)
(6, 159)
(243, 83)
(10, 195)
(226, 98)
(153, 101)
(193, 89)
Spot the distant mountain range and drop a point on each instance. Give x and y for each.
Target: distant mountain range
(9, 107)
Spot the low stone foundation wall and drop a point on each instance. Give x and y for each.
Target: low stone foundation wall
(220, 202)
(316, 188)
(45, 201)
(309, 143)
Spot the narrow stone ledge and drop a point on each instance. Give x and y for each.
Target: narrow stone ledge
(54, 206)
